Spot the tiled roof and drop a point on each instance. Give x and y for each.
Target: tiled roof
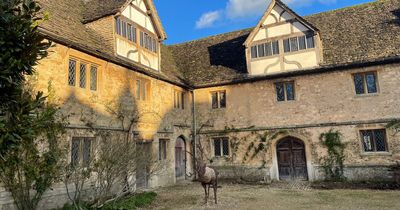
(357, 34)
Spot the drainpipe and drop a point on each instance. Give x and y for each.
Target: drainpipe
(194, 132)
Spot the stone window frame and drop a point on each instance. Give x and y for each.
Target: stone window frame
(77, 77)
(361, 144)
(297, 38)
(179, 99)
(221, 146)
(284, 82)
(219, 104)
(163, 149)
(376, 73)
(80, 159)
(142, 89)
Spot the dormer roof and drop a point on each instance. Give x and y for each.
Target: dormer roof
(96, 9)
(268, 12)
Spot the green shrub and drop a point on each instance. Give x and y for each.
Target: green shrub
(132, 201)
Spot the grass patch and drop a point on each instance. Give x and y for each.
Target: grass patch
(132, 202)
(125, 203)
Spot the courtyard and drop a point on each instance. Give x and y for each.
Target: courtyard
(231, 196)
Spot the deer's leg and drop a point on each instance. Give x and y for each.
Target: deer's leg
(205, 192)
(215, 191)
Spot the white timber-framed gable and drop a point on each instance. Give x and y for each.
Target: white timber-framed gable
(139, 33)
(282, 41)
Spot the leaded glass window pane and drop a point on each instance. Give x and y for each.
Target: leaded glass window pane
(380, 140)
(118, 25)
(225, 147)
(268, 49)
(93, 78)
(87, 149)
(294, 46)
(371, 82)
(286, 45)
(275, 48)
(302, 43)
(82, 75)
(310, 41)
(254, 52)
(290, 91)
(129, 32)
(261, 50)
(222, 99)
(359, 83)
(72, 72)
(280, 92)
(134, 34)
(214, 99)
(75, 145)
(367, 138)
(217, 147)
(183, 100)
(138, 89)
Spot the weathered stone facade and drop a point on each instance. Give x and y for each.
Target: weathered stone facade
(324, 96)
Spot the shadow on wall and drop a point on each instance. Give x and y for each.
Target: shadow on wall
(230, 54)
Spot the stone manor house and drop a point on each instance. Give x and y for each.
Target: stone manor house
(336, 70)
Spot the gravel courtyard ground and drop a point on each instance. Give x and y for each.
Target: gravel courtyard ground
(190, 196)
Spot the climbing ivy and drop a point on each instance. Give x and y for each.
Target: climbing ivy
(333, 162)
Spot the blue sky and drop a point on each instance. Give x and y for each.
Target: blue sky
(186, 20)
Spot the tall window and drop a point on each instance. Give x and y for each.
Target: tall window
(221, 147)
(72, 72)
(218, 99)
(265, 49)
(148, 41)
(179, 99)
(81, 150)
(82, 73)
(142, 89)
(125, 28)
(93, 78)
(162, 149)
(365, 83)
(285, 91)
(374, 140)
(294, 44)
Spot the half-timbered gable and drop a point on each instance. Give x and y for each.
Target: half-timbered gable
(282, 41)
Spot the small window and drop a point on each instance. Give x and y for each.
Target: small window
(302, 43)
(218, 99)
(374, 140)
(268, 49)
(179, 100)
(254, 52)
(82, 75)
(275, 48)
(285, 91)
(142, 89)
(148, 42)
(81, 150)
(261, 50)
(310, 41)
(286, 45)
(118, 25)
(365, 83)
(93, 78)
(294, 45)
(162, 149)
(221, 147)
(71, 72)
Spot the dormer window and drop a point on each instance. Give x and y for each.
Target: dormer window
(148, 42)
(265, 49)
(294, 44)
(125, 28)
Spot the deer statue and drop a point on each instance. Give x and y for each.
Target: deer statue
(208, 177)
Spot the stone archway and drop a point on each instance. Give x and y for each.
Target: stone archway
(291, 158)
(180, 158)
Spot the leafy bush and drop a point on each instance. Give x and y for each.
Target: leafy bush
(333, 162)
(132, 202)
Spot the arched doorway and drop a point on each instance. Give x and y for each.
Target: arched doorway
(180, 158)
(291, 157)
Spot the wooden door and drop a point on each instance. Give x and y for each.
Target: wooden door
(180, 158)
(292, 160)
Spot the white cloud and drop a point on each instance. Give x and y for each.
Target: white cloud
(208, 19)
(245, 8)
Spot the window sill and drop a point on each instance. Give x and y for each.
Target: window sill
(369, 154)
(366, 95)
